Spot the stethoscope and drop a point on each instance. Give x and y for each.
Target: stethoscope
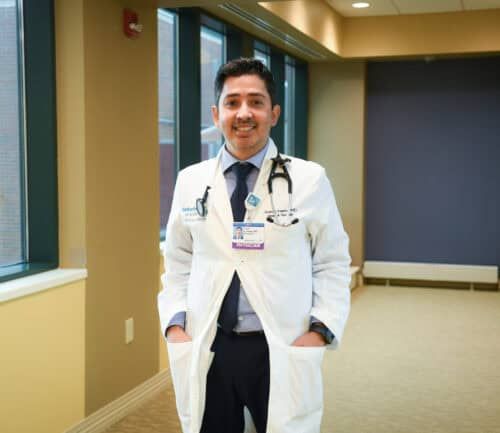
(277, 219)
(280, 220)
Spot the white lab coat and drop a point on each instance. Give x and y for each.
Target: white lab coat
(302, 271)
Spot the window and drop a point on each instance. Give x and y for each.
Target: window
(167, 97)
(212, 56)
(263, 57)
(28, 162)
(12, 161)
(262, 53)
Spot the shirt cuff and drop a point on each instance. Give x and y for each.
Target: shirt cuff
(179, 319)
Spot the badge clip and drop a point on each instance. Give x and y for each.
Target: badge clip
(252, 201)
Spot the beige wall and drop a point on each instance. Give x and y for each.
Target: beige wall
(122, 200)
(71, 131)
(411, 35)
(389, 36)
(42, 368)
(313, 18)
(336, 139)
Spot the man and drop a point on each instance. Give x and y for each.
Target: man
(247, 322)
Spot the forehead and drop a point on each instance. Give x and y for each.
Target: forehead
(244, 84)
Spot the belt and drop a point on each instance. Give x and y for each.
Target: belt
(242, 334)
(248, 333)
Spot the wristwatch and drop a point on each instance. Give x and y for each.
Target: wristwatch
(323, 331)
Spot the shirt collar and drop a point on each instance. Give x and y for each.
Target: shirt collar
(228, 160)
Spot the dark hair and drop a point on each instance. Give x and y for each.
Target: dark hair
(244, 66)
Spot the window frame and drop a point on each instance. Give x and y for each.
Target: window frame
(278, 61)
(242, 44)
(264, 50)
(41, 201)
(175, 17)
(215, 30)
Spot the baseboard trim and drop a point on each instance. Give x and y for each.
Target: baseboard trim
(355, 277)
(113, 412)
(431, 272)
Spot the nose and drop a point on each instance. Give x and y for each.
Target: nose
(244, 112)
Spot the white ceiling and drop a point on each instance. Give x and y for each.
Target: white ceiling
(405, 7)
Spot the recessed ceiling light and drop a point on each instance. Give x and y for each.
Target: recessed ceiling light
(361, 5)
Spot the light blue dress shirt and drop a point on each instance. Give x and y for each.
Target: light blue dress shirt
(247, 319)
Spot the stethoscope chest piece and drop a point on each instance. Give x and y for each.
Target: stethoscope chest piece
(201, 204)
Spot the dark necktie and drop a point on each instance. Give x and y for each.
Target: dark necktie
(229, 312)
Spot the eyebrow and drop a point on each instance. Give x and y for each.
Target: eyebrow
(232, 95)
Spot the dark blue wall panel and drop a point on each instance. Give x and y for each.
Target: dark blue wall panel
(433, 161)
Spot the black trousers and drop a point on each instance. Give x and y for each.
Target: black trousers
(238, 377)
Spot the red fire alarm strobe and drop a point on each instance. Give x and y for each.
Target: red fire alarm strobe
(131, 26)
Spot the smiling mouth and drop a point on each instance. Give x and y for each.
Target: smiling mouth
(244, 128)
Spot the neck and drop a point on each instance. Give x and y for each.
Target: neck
(244, 154)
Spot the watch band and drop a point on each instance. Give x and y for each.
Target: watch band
(323, 331)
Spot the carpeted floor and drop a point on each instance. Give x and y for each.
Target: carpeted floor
(413, 360)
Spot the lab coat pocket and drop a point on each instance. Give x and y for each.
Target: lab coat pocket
(297, 389)
(284, 242)
(278, 230)
(305, 378)
(179, 356)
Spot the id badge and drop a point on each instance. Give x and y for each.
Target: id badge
(248, 236)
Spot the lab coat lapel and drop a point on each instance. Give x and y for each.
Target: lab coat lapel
(221, 205)
(260, 189)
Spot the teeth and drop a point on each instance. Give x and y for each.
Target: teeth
(244, 128)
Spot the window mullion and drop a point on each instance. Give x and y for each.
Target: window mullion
(301, 109)
(189, 89)
(278, 70)
(41, 135)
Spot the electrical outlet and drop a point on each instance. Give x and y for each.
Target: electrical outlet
(129, 330)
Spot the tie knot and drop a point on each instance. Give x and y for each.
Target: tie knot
(242, 170)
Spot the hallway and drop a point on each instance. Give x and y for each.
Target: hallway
(413, 360)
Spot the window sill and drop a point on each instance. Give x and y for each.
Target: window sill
(24, 286)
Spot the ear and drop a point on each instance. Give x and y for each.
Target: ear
(215, 115)
(275, 114)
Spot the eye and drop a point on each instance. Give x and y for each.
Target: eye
(231, 103)
(257, 102)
